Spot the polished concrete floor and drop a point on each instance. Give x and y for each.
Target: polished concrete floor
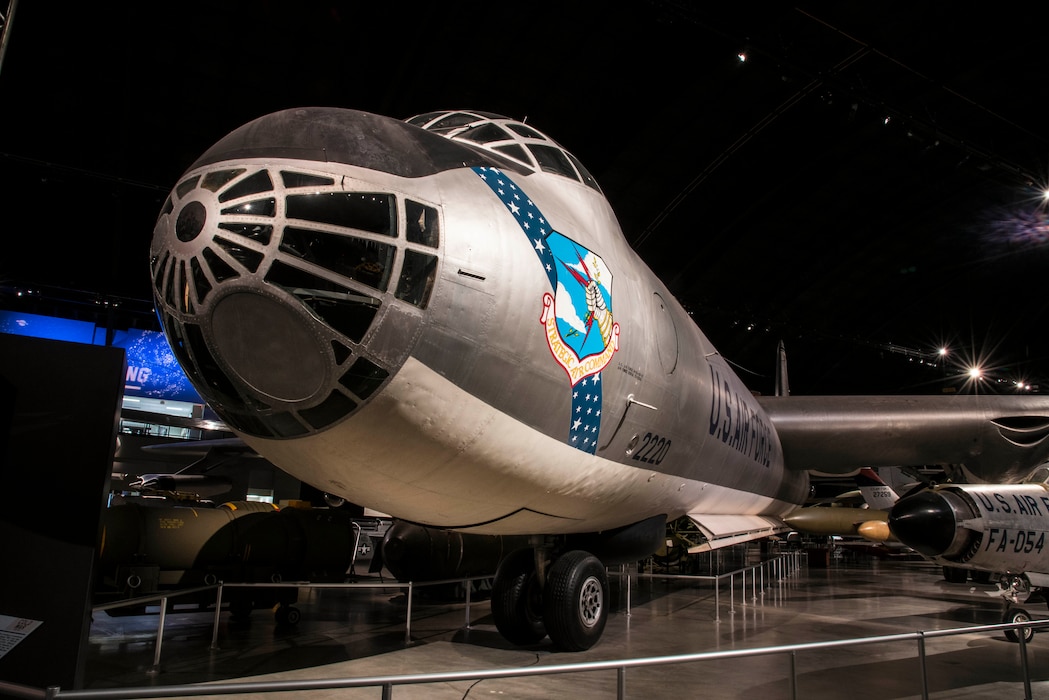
(362, 633)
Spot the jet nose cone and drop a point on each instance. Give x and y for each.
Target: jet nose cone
(925, 522)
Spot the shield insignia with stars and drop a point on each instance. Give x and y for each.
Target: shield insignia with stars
(580, 329)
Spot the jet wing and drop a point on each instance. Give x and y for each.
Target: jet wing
(997, 438)
(233, 446)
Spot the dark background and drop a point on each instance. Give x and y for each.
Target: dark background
(865, 187)
(49, 559)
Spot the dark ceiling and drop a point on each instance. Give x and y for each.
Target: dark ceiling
(863, 187)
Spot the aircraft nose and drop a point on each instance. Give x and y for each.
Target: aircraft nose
(925, 522)
(294, 262)
(288, 297)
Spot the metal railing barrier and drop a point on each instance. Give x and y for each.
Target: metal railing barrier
(620, 666)
(777, 568)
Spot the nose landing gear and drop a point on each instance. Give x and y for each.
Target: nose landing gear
(1014, 590)
(1018, 615)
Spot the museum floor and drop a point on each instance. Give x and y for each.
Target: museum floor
(362, 633)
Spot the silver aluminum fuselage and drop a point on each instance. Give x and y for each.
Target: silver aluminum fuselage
(471, 422)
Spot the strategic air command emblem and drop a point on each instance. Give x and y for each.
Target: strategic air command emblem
(577, 314)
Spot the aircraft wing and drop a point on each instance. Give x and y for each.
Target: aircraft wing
(228, 446)
(997, 438)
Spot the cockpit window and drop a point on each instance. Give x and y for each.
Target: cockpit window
(253, 184)
(358, 259)
(417, 277)
(486, 133)
(293, 179)
(515, 151)
(507, 138)
(260, 207)
(186, 186)
(248, 257)
(453, 121)
(583, 172)
(220, 269)
(366, 211)
(422, 119)
(552, 160)
(346, 310)
(260, 233)
(214, 181)
(421, 225)
(526, 131)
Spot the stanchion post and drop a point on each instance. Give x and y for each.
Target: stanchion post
(921, 665)
(628, 589)
(793, 675)
(717, 599)
(408, 621)
(160, 637)
(469, 585)
(1022, 638)
(215, 625)
(732, 593)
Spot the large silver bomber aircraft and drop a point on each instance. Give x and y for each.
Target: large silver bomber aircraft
(440, 319)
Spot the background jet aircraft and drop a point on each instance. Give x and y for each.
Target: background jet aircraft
(985, 529)
(440, 319)
(863, 512)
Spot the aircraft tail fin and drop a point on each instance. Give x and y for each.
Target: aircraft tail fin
(876, 492)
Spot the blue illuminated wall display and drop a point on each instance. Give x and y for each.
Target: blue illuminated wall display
(152, 370)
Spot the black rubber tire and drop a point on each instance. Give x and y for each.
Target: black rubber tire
(517, 599)
(575, 602)
(287, 615)
(1018, 615)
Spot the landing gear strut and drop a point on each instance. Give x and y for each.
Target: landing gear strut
(571, 605)
(1017, 589)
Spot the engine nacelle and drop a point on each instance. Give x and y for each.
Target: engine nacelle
(987, 527)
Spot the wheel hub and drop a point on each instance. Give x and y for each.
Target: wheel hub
(590, 602)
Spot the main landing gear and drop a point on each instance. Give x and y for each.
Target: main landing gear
(566, 599)
(1015, 590)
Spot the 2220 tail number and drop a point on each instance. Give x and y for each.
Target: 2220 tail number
(652, 450)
